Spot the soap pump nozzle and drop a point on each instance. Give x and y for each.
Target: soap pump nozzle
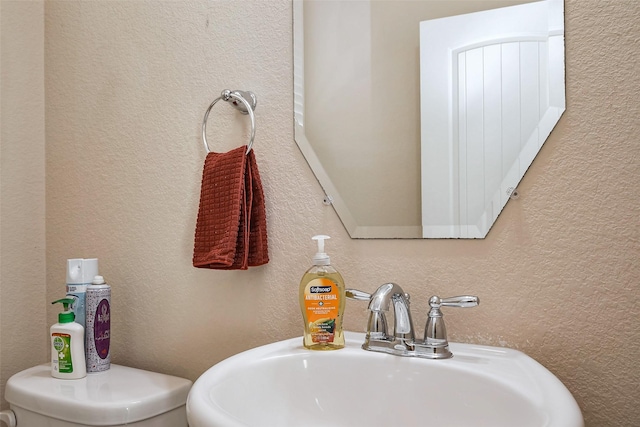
(321, 257)
(67, 316)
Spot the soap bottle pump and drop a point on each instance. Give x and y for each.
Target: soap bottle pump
(67, 345)
(322, 300)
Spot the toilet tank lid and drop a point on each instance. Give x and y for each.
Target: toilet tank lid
(120, 395)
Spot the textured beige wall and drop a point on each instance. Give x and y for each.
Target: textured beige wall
(23, 326)
(126, 86)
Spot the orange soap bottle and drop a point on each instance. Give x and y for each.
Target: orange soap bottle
(322, 299)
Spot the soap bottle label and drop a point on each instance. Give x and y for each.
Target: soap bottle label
(321, 300)
(62, 359)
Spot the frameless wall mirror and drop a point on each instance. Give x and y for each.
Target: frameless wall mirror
(420, 117)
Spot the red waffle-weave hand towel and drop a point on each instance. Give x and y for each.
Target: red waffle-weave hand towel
(231, 229)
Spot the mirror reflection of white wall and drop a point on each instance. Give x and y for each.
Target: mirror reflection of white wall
(357, 110)
(347, 120)
(492, 89)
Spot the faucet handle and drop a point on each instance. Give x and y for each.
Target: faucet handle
(463, 301)
(357, 295)
(435, 333)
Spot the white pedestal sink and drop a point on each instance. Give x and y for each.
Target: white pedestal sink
(284, 385)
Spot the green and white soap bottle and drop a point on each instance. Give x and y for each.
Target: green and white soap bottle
(67, 345)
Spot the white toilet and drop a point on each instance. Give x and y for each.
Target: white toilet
(120, 396)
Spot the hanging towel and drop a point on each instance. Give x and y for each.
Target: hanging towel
(231, 229)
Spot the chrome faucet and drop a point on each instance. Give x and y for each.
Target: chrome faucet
(403, 342)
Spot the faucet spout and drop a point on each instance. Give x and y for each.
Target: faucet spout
(381, 301)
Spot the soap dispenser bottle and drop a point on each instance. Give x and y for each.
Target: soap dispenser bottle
(67, 345)
(322, 299)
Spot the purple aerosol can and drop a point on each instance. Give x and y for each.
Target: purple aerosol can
(98, 332)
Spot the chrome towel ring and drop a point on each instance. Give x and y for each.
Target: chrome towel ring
(245, 102)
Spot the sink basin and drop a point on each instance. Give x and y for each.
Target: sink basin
(284, 385)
